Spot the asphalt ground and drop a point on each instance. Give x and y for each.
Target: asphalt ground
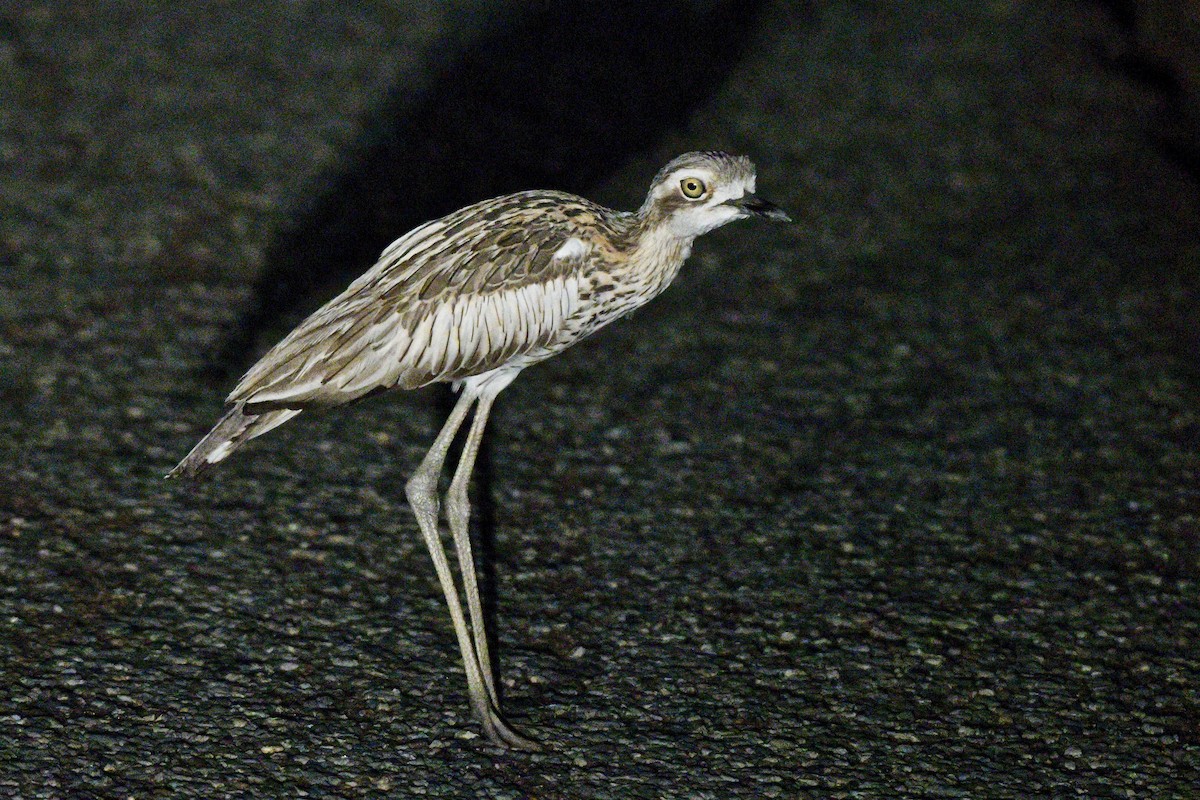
(899, 501)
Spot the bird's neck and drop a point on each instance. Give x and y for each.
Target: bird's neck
(657, 252)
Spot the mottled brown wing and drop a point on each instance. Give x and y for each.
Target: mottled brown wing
(453, 298)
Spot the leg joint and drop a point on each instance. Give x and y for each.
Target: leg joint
(421, 491)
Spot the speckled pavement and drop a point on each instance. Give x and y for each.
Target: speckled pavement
(900, 501)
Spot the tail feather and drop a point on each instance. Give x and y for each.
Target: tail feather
(235, 429)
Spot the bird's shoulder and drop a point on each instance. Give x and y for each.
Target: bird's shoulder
(495, 245)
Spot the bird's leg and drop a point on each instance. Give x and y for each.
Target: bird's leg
(458, 512)
(422, 491)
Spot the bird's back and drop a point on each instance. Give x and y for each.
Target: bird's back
(462, 295)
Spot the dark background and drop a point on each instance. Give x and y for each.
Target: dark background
(898, 501)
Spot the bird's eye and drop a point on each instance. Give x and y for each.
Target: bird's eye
(692, 188)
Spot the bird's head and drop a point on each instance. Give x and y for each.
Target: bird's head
(698, 192)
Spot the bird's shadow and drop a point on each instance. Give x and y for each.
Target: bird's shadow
(557, 97)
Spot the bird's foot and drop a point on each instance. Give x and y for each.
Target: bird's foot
(502, 734)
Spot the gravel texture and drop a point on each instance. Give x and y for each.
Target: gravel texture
(898, 501)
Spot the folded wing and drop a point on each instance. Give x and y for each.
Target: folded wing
(453, 298)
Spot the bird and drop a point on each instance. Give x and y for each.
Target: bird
(472, 299)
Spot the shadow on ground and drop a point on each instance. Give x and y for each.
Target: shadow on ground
(556, 99)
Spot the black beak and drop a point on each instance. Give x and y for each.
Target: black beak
(758, 207)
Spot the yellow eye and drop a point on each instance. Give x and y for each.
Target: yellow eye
(692, 188)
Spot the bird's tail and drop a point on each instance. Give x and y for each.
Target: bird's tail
(235, 429)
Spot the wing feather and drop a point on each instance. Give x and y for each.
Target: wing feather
(465, 332)
(452, 298)
(446, 353)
